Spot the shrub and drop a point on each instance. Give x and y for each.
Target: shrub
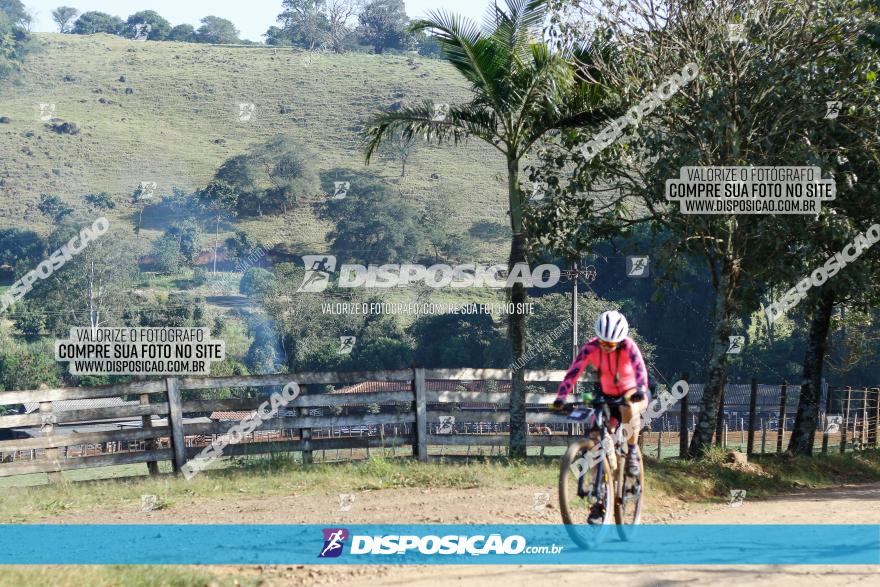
(256, 282)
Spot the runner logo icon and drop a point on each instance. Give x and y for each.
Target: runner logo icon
(334, 540)
(318, 270)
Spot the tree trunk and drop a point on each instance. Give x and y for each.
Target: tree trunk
(707, 418)
(802, 434)
(517, 333)
(517, 320)
(216, 244)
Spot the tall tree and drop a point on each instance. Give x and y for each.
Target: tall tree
(16, 12)
(737, 112)
(90, 23)
(20, 248)
(14, 37)
(217, 30)
(93, 288)
(183, 33)
(848, 146)
(522, 91)
(63, 15)
(383, 24)
(275, 36)
(399, 149)
(159, 27)
(373, 224)
(304, 22)
(340, 14)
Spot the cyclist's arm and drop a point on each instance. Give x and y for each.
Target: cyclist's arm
(638, 363)
(581, 361)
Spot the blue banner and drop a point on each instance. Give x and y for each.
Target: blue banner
(436, 544)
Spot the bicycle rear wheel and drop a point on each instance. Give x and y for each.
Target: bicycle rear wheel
(578, 491)
(628, 496)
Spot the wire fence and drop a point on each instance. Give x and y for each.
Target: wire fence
(848, 419)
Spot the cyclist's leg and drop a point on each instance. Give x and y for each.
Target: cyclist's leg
(631, 415)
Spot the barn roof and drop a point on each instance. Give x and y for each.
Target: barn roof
(430, 384)
(67, 405)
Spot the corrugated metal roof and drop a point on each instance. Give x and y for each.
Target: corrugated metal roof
(222, 416)
(430, 384)
(229, 416)
(67, 405)
(738, 395)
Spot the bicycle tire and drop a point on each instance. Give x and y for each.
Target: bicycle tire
(583, 534)
(627, 528)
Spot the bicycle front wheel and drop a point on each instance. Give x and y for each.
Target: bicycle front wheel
(584, 479)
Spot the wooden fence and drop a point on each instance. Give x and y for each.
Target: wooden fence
(166, 420)
(162, 426)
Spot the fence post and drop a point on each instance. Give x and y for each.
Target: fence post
(753, 409)
(47, 426)
(780, 433)
(175, 421)
(863, 436)
(763, 437)
(420, 446)
(856, 433)
(683, 423)
(305, 434)
(147, 422)
(845, 427)
(876, 417)
(828, 404)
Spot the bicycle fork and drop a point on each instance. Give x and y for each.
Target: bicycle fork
(599, 474)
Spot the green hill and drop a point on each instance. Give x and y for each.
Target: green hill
(169, 113)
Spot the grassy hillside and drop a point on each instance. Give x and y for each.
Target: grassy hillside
(169, 113)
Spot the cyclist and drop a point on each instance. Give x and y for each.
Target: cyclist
(622, 372)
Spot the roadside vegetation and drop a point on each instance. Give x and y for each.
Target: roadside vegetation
(122, 576)
(669, 480)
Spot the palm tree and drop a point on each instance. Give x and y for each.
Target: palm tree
(522, 91)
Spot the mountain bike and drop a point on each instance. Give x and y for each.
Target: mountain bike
(592, 470)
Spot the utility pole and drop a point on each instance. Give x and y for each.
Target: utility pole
(574, 312)
(588, 274)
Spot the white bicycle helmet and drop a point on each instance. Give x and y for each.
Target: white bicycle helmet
(611, 326)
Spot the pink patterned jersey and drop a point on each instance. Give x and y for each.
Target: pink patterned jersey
(619, 371)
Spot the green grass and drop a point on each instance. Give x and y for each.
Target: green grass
(704, 480)
(711, 479)
(114, 472)
(119, 576)
(259, 477)
(180, 123)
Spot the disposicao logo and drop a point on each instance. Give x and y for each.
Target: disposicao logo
(320, 267)
(334, 540)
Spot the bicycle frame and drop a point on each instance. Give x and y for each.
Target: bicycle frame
(600, 419)
(597, 417)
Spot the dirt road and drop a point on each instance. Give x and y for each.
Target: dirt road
(515, 505)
